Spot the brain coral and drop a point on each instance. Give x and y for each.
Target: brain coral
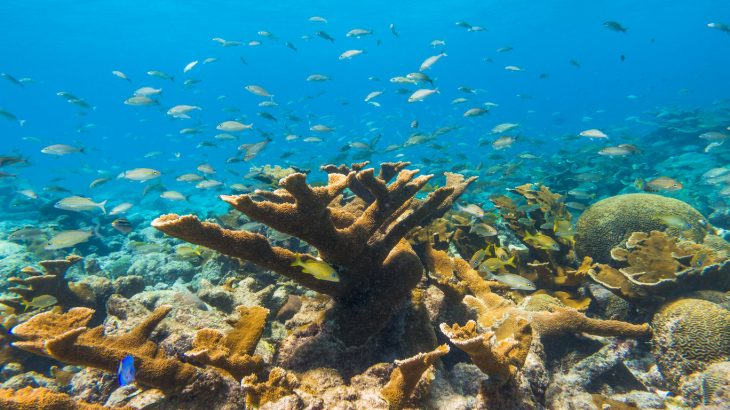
(689, 335)
(609, 222)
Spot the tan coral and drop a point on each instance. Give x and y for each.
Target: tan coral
(609, 222)
(41, 398)
(658, 265)
(279, 384)
(232, 352)
(362, 237)
(492, 309)
(689, 335)
(65, 338)
(499, 340)
(406, 376)
(52, 281)
(500, 353)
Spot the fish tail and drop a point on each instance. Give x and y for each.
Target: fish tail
(102, 205)
(511, 262)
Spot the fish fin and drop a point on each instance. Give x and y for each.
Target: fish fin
(511, 262)
(102, 205)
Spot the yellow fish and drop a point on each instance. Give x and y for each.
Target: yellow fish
(496, 264)
(541, 241)
(317, 268)
(40, 302)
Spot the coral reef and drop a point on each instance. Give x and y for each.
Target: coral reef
(544, 225)
(499, 355)
(577, 387)
(707, 388)
(609, 223)
(657, 266)
(689, 335)
(363, 238)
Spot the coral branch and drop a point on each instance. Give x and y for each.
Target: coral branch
(405, 377)
(90, 347)
(232, 352)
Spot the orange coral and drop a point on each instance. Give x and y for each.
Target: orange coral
(407, 374)
(362, 237)
(65, 338)
(29, 398)
(232, 352)
(279, 384)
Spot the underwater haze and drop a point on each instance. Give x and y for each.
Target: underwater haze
(439, 205)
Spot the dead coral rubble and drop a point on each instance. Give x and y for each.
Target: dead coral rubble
(362, 237)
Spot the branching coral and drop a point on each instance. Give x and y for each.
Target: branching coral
(279, 384)
(499, 354)
(407, 374)
(66, 338)
(362, 238)
(657, 265)
(52, 281)
(232, 352)
(499, 340)
(30, 398)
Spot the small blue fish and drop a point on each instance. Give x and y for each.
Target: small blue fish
(125, 373)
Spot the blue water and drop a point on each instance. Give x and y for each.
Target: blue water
(672, 59)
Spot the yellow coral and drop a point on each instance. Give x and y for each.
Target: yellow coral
(52, 281)
(659, 265)
(689, 335)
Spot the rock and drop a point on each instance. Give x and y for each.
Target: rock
(10, 369)
(216, 296)
(610, 305)
(31, 379)
(128, 285)
(160, 267)
(92, 385)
